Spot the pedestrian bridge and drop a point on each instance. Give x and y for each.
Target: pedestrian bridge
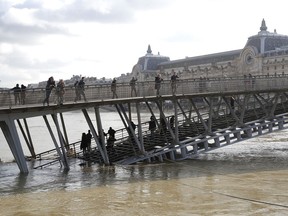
(208, 114)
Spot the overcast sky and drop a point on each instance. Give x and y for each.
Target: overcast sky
(105, 38)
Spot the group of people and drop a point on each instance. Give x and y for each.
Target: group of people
(80, 89)
(163, 126)
(60, 91)
(86, 142)
(19, 94)
(132, 83)
(158, 81)
(173, 82)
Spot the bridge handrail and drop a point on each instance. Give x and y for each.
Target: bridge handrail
(144, 89)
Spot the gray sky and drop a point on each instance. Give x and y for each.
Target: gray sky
(105, 38)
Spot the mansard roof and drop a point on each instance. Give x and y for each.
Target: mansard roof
(266, 41)
(205, 59)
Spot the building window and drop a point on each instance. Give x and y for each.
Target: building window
(282, 66)
(267, 68)
(275, 67)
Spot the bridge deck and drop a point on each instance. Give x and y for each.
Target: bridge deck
(204, 119)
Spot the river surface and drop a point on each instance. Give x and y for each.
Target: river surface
(247, 178)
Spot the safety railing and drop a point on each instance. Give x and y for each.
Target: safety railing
(36, 96)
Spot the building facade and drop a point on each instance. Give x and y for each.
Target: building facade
(265, 53)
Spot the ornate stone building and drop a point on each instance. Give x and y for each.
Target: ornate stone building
(265, 53)
(147, 66)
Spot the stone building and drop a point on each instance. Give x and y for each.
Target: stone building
(265, 53)
(148, 65)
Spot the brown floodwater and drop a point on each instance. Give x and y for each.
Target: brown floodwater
(247, 178)
(201, 187)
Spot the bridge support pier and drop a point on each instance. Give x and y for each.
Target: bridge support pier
(140, 128)
(217, 142)
(27, 137)
(10, 132)
(249, 132)
(281, 124)
(61, 140)
(195, 149)
(93, 131)
(172, 155)
(227, 138)
(270, 127)
(53, 138)
(101, 135)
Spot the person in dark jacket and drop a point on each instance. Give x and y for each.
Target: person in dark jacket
(174, 78)
(17, 91)
(158, 81)
(49, 86)
(111, 133)
(152, 125)
(83, 145)
(89, 137)
(81, 88)
(172, 122)
(23, 94)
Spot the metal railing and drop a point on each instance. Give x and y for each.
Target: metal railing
(36, 96)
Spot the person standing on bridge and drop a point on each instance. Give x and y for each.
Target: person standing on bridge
(77, 94)
(113, 89)
(81, 90)
(83, 144)
(60, 90)
(111, 133)
(133, 86)
(89, 137)
(152, 126)
(23, 94)
(174, 82)
(49, 86)
(158, 81)
(17, 91)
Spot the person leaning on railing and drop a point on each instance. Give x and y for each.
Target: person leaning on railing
(49, 86)
(17, 91)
